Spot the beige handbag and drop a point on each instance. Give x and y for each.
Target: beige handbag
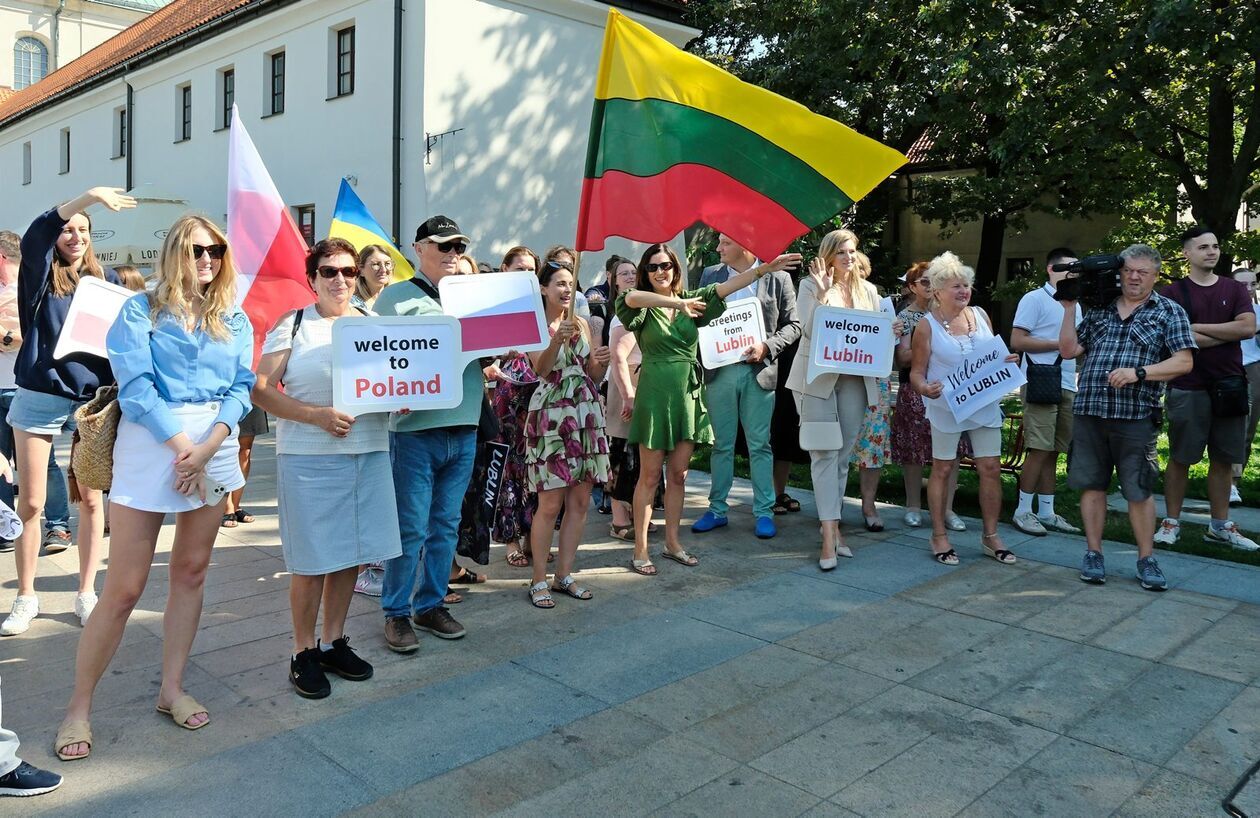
(92, 452)
(821, 436)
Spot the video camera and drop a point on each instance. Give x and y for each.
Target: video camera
(1094, 280)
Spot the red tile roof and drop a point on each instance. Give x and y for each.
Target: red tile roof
(161, 27)
(161, 31)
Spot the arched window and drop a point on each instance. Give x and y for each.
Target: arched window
(30, 62)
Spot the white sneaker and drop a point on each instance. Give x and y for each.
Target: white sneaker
(83, 606)
(1057, 523)
(1230, 535)
(953, 522)
(25, 608)
(1027, 522)
(1169, 532)
(1235, 499)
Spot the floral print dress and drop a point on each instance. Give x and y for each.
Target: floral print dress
(565, 442)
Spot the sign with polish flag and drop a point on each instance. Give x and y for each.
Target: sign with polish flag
(270, 252)
(497, 312)
(95, 305)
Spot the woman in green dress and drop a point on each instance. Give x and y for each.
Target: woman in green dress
(667, 415)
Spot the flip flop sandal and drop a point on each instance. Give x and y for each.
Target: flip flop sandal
(621, 532)
(467, 577)
(75, 732)
(183, 709)
(643, 567)
(570, 587)
(682, 558)
(452, 597)
(540, 595)
(243, 516)
(229, 521)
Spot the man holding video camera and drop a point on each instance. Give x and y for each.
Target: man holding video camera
(1208, 407)
(1132, 345)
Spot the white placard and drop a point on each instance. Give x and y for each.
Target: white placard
(387, 363)
(981, 379)
(497, 312)
(886, 305)
(725, 339)
(95, 305)
(850, 342)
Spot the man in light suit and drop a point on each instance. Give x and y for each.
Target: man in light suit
(742, 394)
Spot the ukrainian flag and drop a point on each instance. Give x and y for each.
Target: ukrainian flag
(352, 221)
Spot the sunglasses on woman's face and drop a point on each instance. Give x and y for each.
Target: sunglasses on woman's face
(653, 266)
(331, 272)
(216, 251)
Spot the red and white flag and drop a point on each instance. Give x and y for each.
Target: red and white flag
(270, 252)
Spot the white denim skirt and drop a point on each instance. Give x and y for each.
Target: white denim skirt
(144, 468)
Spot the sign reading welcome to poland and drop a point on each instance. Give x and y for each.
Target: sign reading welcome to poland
(850, 342)
(725, 339)
(386, 363)
(497, 312)
(981, 379)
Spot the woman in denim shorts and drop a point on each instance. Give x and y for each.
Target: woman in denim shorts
(56, 255)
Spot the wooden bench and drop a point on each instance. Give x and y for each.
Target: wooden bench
(1012, 459)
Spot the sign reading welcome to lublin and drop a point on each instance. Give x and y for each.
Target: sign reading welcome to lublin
(850, 342)
(982, 378)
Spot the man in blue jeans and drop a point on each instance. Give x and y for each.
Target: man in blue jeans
(56, 505)
(432, 454)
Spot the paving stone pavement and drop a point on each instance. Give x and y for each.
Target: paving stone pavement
(750, 685)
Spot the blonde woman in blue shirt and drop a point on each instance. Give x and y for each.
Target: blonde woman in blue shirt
(182, 358)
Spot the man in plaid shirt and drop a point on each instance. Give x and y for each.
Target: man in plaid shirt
(1131, 347)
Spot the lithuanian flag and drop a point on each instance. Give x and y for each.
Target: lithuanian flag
(352, 221)
(675, 139)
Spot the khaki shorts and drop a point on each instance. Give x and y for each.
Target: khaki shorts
(1048, 427)
(985, 442)
(1192, 428)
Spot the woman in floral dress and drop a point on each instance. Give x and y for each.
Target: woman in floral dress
(566, 451)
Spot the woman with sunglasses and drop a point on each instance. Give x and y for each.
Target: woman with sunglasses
(181, 356)
(335, 487)
(56, 255)
(667, 412)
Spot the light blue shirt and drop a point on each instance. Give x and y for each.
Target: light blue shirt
(159, 365)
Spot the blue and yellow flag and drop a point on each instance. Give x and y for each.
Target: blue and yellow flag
(352, 221)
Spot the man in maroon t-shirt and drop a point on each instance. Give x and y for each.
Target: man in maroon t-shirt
(1220, 316)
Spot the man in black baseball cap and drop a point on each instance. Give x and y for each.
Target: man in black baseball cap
(432, 454)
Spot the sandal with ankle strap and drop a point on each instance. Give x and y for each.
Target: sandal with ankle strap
(1002, 555)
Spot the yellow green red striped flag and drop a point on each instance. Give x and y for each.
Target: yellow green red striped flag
(675, 139)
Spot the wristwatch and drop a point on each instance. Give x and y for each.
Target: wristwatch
(1140, 371)
(8, 337)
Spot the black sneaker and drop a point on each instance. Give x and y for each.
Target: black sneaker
(25, 780)
(440, 623)
(343, 661)
(307, 676)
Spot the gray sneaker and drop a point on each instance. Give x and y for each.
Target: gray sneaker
(1150, 576)
(1092, 569)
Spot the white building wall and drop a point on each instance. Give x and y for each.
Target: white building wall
(518, 77)
(83, 26)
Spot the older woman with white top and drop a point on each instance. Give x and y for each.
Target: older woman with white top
(335, 487)
(181, 356)
(950, 331)
(833, 406)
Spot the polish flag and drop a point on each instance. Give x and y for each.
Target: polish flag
(270, 252)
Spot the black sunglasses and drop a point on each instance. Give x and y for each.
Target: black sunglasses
(653, 266)
(216, 251)
(447, 246)
(331, 272)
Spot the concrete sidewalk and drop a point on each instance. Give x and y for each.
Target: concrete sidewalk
(752, 684)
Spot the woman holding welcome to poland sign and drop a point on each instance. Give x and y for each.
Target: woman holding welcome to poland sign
(949, 332)
(335, 486)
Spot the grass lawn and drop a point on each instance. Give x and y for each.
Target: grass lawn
(1067, 500)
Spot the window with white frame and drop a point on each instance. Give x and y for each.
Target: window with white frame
(120, 133)
(30, 62)
(64, 163)
(227, 96)
(275, 87)
(341, 62)
(183, 112)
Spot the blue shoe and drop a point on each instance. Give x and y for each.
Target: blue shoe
(707, 522)
(765, 528)
(1149, 575)
(1092, 569)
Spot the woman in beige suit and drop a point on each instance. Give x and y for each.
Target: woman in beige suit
(833, 406)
